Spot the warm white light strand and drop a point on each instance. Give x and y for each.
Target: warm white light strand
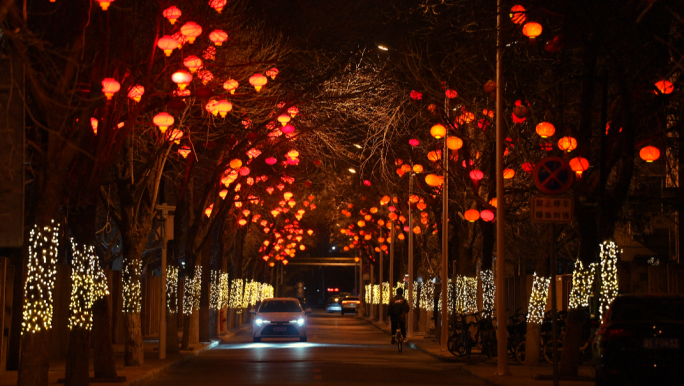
(376, 293)
(235, 294)
(538, 298)
(131, 285)
(225, 290)
(609, 283)
(582, 285)
(40, 279)
(488, 289)
(215, 290)
(385, 293)
(172, 289)
(466, 294)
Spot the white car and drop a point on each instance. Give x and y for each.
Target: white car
(280, 318)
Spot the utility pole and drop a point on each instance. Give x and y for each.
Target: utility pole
(391, 270)
(409, 330)
(500, 296)
(381, 317)
(444, 334)
(167, 234)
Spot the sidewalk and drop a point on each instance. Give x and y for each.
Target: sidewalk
(484, 369)
(134, 375)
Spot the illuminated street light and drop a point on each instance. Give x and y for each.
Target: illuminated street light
(351, 170)
(357, 145)
(383, 48)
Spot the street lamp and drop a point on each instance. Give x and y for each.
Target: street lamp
(380, 46)
(352, 170)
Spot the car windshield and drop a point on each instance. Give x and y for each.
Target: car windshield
(280, 306)
(632, 309)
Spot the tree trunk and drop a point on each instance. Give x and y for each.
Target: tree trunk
(103, 352)
(532, 344)
(77, 372)
(186, 332)
(133, 348)
(570, 355)
(172, 333)
(35, 359)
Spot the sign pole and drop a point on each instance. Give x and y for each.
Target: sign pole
(554, 305)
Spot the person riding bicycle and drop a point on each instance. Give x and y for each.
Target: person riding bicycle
(396, 311)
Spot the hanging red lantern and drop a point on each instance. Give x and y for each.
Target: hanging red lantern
(471, 215)
(414, 142)
(528, 167)
(191, 31)
(193, 63)
(293, 111)
(664, 86)
(546, 146)
(649, 153)
(184, 151)
(518, 14)
(545, 129)
(258, 81)
(182, 78)
(136, 92)
(231, 85)
(272, 73)
(167, 44)
(205, 76)
(172, 13)
(93, 124)
(104, 4)
(175, 136)
(567, 144)
(271, 161)
(476, 175)
(416, 96)
(218, 4)
(451, 94)
(454, 143)
(218, 37)
(532, 30)
(508, 173)
(110, 87)
(438, 131)
(284, 119)
(163, 120)
(224, 107)
(487, 215)
(579, 165)
(417, 168)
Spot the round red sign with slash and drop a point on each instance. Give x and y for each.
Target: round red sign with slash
(552, 175)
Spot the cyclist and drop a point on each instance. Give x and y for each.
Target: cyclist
(397, 310)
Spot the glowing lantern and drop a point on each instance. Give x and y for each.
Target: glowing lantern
(416, 230)
(182, 78)
(293, 111)
(293, 153)
(205, 76)
(224, 107)
(567, 144)
(242, 221)
(287, 195)
(508, 174)
(218, 37)
(310, 232)
(649, 153)
(184, 152)
(136, 92)
(172, 13)
(302, 247)
(163, 120)
(191, 30)
(223, 193)
(579, 165)
(532, 30)
(258, 81)
(93, 124)
(476, 175)
(110, 87)
(438, 131)
(493, 202)
(518, 14)
(288, 129)
(487, 215)
(415, 95)
(175, 136)
(284, 119)
(434, 156)
(218, 4)
(434, 180)
(361, 223)
(104, 4)
(235, 164)
(271, 161)
(454, 143)
(244, 171)
(414, 142)
(472, 215)
(545, 129)
(664, 86)
(528, 167)
(231, 85)
(209, 209)
(273, 72)
(417, 168)
(451, 93)
(193, 63)
(271, 264)
(167, 44)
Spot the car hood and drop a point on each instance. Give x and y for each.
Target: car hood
(280, 316)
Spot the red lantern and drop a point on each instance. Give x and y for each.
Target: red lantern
(476, 175)
(104, 4)
(163, 120)
(231, 85)
(567, 144)
(471, 215)
(218, 4)
(508, 174)
(205, 76)
(416, 96)
(167, 44)
(454, 143)
(184, 151)
(191, 31)
(284, 119)
(579, 165)
(271, 161)
(136, 92)
(664, 86)
(272, 73)
(438, 131)
(258, 81)
(224, 107)
(288, 129)
(293, 111)
(193, 63)
(110, 87)
(172, 13)
(487, 215)
(518, 14)
(545, 129)
(218, 37)
(414, 142)
(182, 78)
(532, 30)
(528, 167)
(451, 94)
(649, 153)
(93, 124)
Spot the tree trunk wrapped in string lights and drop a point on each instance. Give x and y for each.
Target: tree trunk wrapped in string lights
(172, 289)
(224, 285)
(215, 293)
(609, 283)
(385, 293)
(236, 295)
(255, 293)
(416, 286)
(427, 295)
(246, 295)
(537, 304)
(368, 294)
(376, 294)
(488, 289)
(40, 279)
(582, 283)
(466, 294)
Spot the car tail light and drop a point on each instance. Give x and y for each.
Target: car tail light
(350, 301)
(615, 333)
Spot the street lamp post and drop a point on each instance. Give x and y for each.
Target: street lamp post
(167, 234)
(409, 331)
(381, 316)
(444, 335)
(391, 267)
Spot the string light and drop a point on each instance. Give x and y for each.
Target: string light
(414, 294)
(215, 290)
(399, 285)
(40, 279)
(172, 289)
(609, 283)
(450, 297)
(385, 292)
(369, 295)
(582, 283)
(246, 294)
(131, 289)
(427, 295)
(88, 285)
(224, 285)
(191, 297)
(466, 294)
(540, 293)
(255, 292)
(235, 294)
(376, 293)
(488, 289)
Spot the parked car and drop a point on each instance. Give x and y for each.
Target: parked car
(640, 341)
(350, 304)
(333, 304)
(280, 318)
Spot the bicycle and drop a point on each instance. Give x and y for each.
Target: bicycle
(400, 340)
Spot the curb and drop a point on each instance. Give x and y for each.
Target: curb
(153, 373)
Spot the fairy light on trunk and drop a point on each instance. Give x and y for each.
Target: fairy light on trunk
(369, 295)
(609, 283)
(488, 289)
(235, 294)
(40, 279)
(255, 292)
(582, 283)
(246, 294)
(416, 286)
(224, 285)
(466, 294)
(215, 295)
(376, 293)
(399, 285)
(196, 288)
(88, 284)
(537, 305)
(172, 289)
(427, 294)
(131, 289)
(385, 293)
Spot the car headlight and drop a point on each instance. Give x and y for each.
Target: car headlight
(259, 321)
(300, 321)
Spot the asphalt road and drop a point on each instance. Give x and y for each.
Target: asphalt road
(340, 350)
